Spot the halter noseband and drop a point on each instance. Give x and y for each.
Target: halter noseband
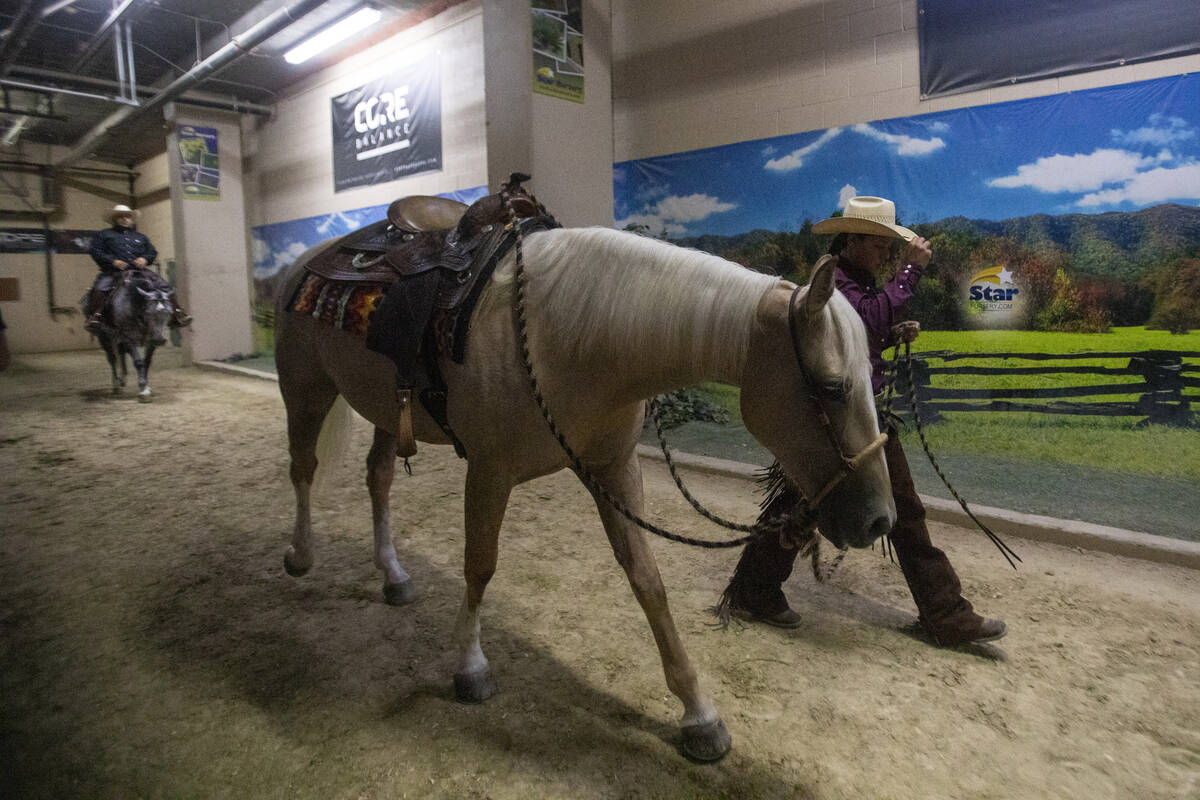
(850, 463)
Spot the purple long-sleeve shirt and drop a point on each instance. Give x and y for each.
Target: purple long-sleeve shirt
(879, 307)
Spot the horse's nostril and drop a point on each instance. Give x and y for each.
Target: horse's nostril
(880, 527)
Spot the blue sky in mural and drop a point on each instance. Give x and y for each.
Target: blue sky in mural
(279, 244)
(1113, 149)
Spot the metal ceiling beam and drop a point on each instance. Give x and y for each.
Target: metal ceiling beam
(65, 82)
(18, 34)
(101, 34)
(52, 8)
(239, 46)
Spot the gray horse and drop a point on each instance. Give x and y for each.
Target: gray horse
(139, 310)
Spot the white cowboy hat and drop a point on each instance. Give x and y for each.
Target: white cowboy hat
(117, 210)
(872, 215)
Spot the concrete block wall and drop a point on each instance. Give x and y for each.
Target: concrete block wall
(690, 74)
(289, 164)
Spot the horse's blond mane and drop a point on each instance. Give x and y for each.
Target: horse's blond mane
(611, 294)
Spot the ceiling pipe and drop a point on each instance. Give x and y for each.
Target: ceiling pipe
(53, 8)
(239, 46)
(100, 35)
(18, 34)
(65, 83)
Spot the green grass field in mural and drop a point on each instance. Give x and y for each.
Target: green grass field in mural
(1117, 444)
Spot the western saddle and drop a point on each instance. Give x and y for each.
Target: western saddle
(433, 255)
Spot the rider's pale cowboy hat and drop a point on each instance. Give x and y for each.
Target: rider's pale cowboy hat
(118, 210)
(872, 215)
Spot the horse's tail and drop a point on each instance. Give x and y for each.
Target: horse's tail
(333, 442)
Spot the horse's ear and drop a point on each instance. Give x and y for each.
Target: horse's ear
(820, 288)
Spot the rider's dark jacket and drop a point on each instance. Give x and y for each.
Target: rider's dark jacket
(120, 244)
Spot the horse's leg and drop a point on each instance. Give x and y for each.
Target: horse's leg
(122, 349)
(307, 406)
(704, 735)
(487, 494)
(112, 353)
(398, 588)
(141, 363)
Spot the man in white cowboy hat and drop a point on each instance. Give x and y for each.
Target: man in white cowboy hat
(865, 232)
(118, 248)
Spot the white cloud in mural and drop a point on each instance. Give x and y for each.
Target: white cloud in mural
(1077, 173)
(1160, 131)
(904, 145)
(1152, 186)
(288, 256)
(336, 224)
(845, 194)
(670, 213)
(795, 159)
(260, 251)
(691, 208)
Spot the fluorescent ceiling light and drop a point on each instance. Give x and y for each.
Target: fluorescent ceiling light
(327, 37)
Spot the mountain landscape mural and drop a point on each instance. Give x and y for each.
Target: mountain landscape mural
(1092, 199)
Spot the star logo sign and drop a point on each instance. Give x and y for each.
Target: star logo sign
(1005, 275)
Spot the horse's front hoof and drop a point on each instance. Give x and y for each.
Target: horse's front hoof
(474, 687)
(290, 566)
(706, 743)
(144, 397)
(399, 594)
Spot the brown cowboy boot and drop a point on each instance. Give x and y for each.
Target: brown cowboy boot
(96, 302)
(179, 317)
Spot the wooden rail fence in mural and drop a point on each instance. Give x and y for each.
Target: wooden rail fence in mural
(1162, 393)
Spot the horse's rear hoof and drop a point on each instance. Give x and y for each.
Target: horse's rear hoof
(292, 569)
(144, 397)
(399, 594)
(706, 743)
(474, 687)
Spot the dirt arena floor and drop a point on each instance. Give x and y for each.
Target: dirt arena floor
(151, 645)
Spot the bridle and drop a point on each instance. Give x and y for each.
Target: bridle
(819, 395)
(800, 521)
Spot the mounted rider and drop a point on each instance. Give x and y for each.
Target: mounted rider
(116, 249)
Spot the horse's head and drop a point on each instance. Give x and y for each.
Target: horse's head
(156, 312)
(806, 395)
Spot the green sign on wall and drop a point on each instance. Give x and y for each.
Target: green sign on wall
(558, 49)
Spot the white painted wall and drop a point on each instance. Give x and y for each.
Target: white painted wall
(572, 143)
(567, 147)
(690, 74)
(289, 163)
(211, 244)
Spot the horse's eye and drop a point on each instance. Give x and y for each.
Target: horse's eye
(835, 392)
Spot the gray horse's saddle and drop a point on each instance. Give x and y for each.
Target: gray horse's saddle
(433, 255)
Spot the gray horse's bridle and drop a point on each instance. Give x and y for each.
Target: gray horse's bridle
(819, 395)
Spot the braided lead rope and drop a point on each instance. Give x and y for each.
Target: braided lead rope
(802, 514)
(577, 465)
(1004, 549)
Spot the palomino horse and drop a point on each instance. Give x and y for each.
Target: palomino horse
(612, 318)
(138, 312)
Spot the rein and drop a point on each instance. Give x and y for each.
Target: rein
(1004, 549)
(803, 515)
